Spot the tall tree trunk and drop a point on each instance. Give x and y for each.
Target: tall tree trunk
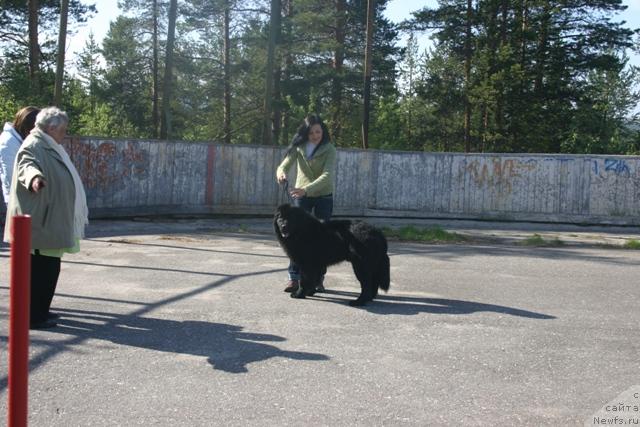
(274, 30)
(277, 102)
(485, 127)
(276, 116)
(62, 40)
(165, 126)
(286, 72)
(411, 53)
(523, 42)
(155, 116)
(504, 23)
(492, 45)
(541, 51)
(524, 28)
(34, 47)
(467, 79)
(226, 60)
(367, 73)
(338, 61)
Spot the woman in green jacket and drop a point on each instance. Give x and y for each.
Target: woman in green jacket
(46, 185)
(315, 159)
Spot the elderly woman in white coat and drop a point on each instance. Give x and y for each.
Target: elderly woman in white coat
(47, 186)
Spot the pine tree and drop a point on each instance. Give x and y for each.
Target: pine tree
(89, 70)
(127, 75)
(527, 65)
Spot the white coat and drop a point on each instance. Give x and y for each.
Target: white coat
(10, 141)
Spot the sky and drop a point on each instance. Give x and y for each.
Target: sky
(397, 10)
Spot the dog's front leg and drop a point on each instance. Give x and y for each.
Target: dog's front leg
(300, 292)
(307, 287)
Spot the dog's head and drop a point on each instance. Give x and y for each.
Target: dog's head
(281, 222)
(288, 220)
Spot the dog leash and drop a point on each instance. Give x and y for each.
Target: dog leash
(285, 188)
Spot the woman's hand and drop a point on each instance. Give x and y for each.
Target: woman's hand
(38, 184)
(297, 193)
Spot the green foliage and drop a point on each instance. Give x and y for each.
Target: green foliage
(14, 78)
(538, 240)
(8, 106)
(126, 76)
(91, 117)
(549, 78)
(632, 244)
(600, 123)
(426, 235)
(543, 76)
(104, 121)
(387, 129)
(14, 18)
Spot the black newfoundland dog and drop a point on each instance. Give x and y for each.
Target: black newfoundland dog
(314, 245)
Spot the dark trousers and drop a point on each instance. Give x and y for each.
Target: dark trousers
(322, 208)
(44, 278)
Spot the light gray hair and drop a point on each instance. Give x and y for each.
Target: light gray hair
(51, 117)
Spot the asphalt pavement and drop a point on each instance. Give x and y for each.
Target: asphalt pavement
(183, 322)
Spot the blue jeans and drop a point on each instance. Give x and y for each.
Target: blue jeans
(322, 208)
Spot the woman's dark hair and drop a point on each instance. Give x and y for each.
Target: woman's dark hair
(25, 120)
(302, 135)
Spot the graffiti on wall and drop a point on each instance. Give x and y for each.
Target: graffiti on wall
(497, 172)
(622, 174)
(107, 164)
(618, 167)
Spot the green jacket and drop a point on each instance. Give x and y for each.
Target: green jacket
(314, 176)
(52, 208)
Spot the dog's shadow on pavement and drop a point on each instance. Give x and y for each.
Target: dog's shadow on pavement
(228, 347)
(404, 305)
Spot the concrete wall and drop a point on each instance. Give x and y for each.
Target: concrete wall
(152, 177)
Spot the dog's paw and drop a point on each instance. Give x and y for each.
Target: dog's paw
(298, 294)
(358, 302)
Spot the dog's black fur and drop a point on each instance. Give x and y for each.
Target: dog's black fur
(314, 245)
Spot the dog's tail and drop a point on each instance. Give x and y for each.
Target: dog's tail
(384, 274)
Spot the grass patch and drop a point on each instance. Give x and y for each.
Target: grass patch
(632, 244)
(538, 240)
(426, 235)
(125, 241)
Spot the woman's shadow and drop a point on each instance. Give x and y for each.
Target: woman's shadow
(227, 347)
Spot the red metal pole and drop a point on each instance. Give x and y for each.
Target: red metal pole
(19, 320)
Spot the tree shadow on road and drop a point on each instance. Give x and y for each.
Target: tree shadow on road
(409, 306)
(185, 240)
(453, 252)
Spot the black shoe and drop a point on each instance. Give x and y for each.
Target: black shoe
(45, 324)
(292, 286)
(320, 287)
(52, 316)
